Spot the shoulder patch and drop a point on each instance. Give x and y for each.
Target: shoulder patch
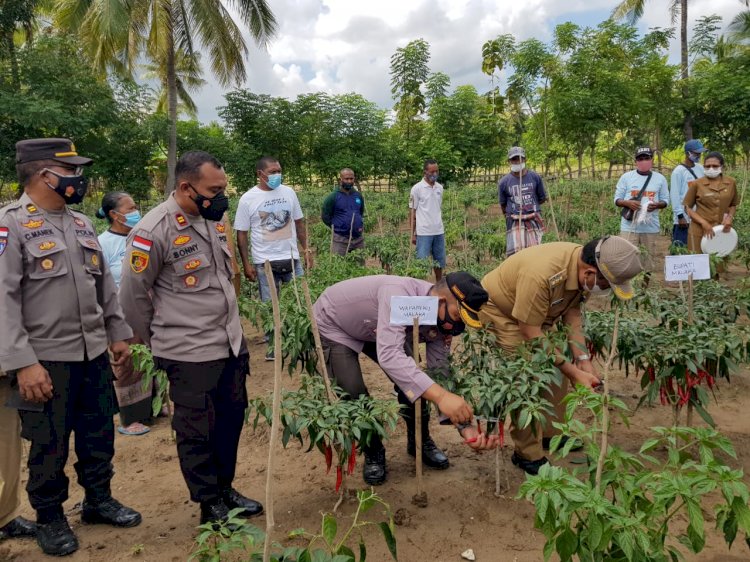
(181, 220)
(142, 243)
(557, 279)
(3, 239)
(138, 261)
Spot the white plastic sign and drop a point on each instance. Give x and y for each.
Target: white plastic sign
(404, 309)
(678, 268)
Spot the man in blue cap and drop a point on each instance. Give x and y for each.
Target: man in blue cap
(685, 172)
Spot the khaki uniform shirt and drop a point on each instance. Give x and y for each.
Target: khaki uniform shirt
(712, 198)
(535, 286)
(176, 286)
(58, 300)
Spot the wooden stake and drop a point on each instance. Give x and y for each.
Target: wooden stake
(417, 412)
(690, 298)
(605, 407)
(318, 346)
(351, 231)
(275, 416)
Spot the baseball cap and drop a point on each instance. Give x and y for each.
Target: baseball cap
(516, 151)
(694, 145)
(641, 150)
(61, 150)
(470, 295)
(619, 261)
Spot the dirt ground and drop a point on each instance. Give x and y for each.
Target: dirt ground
(462, 512)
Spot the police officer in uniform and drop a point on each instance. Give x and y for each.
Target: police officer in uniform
(59, 309)
(177, 294)
(535, 288)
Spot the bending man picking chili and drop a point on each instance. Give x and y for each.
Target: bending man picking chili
(354, 317)
(532, 290)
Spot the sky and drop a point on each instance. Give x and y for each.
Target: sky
(341, 46)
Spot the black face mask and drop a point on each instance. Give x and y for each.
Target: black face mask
(457, 327)
(71, 188)
(347, 186)
(211, 208)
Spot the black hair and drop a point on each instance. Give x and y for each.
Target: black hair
(28, 170)
(189, 164)
(110, 202)
(264, 162)
(714, 154)
(428, 162)
(588, 255)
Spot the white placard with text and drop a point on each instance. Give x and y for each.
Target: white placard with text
(678, 268)
(404, 309)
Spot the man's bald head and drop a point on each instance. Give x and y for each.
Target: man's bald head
(346, 178)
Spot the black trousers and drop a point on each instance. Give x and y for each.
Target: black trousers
(342, 364)
(209, 410)
(83, 403)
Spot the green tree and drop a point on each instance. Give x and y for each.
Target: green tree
(118, 32)
(632, 11)
(409, 71)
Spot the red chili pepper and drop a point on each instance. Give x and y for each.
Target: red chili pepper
(353, 458)
(501, 432)
(329, 458)
(663, 396)
(710, 380)
(339, 477)
(651, 374)
(684, 393)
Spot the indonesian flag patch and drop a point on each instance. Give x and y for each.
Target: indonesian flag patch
(142, 243)
(3, 239)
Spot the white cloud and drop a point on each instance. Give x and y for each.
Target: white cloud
(341, 46)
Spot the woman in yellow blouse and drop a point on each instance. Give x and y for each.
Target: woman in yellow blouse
(710, 201)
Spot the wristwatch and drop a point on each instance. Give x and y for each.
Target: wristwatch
(583, 357)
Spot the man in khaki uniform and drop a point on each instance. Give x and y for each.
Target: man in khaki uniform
(59, 310)
(177, 294)
(11, 525)
(538, 286)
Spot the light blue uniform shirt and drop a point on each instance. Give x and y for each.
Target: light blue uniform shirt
(113, 248)
(657, 191)
(678, 186)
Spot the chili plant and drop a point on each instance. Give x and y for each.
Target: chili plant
(235, 536)
(337, 430)
(497, 384)
(637, 511)
(143, 362)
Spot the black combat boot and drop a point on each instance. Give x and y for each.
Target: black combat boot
(432, 456)
(374, 469)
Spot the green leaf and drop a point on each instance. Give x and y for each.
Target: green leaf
(362, 551)
(566, 545)
(330, 528)
(390, 540)
(595, 531)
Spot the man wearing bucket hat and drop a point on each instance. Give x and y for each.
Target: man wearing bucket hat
(354, 317)
(532, 290)
(60, 315)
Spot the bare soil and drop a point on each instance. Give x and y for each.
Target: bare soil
(462, 511)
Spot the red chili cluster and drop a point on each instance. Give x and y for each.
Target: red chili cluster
(682, 391)
(339, 471)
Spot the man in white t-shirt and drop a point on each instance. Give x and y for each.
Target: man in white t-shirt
(426, 217)
(272, 214)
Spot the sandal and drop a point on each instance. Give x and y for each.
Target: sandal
(134, 429)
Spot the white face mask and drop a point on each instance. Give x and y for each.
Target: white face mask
(515, 168)
(596, 290)
(712, 172)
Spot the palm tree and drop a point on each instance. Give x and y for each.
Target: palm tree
(118, 32)
(632, 11)
(189, 72)
(18, 22)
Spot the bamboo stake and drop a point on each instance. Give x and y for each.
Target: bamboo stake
(605, 401)
(552, 213)
(690, 321)
(275, 416)
(318, 346)
(418, 414)
(351, 230)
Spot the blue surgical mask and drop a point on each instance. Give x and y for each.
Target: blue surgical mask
(274, 180)
(694, 157)
(433, 178)
(132, 218)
